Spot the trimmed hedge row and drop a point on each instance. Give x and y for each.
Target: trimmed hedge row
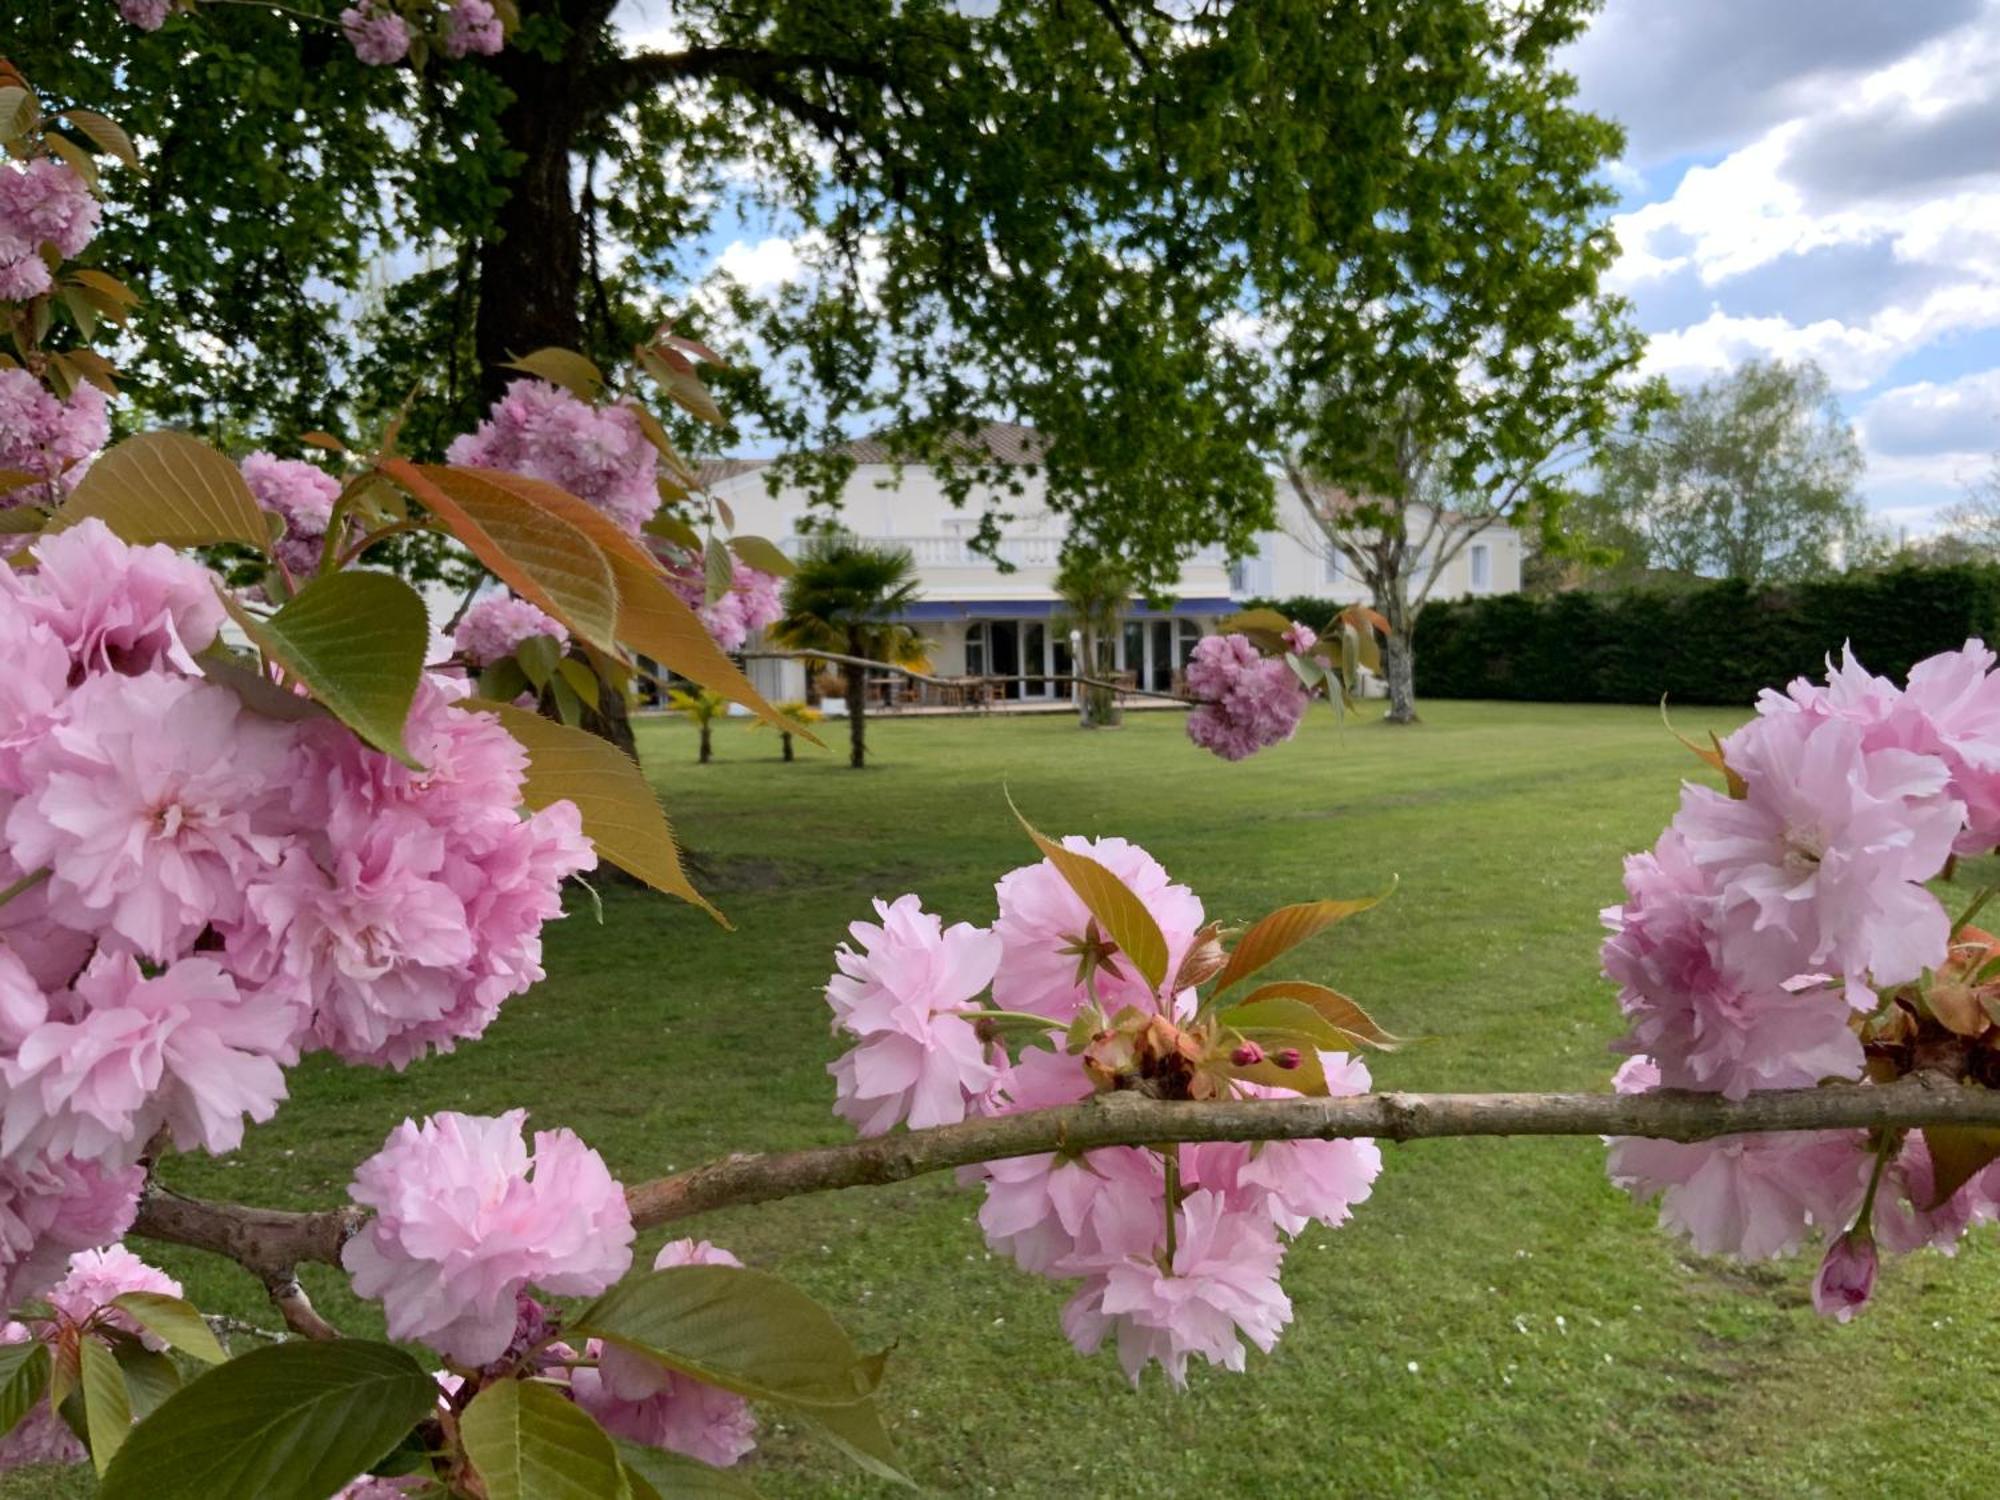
(1713, 643)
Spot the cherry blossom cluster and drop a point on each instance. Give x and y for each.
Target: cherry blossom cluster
(47, 436)
(1176, 1252)
(300, 494)
(380, 33)
(467, 1218)
(192, 894)
(601, 454)
(496, 626)
(1780, 935)
(1245, 700)
(78, 1307)
(43, 204)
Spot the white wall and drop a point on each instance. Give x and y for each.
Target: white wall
(1292, 561)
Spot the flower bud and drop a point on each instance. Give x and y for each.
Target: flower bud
(1846, 1277)
(1247, 1056)
(1287, 1058)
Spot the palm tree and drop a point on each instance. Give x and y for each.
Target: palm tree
(845, 597)
(792, 711)
(704, 707)
(1095, 590)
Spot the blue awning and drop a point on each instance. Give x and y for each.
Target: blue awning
(1042, 609)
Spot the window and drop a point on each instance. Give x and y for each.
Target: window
(975, 650)
(1480, 565)
(1239, 576)
(1334, 569)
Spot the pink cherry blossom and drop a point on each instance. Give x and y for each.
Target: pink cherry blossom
(638, 1399)
(42, 435)
(1952, 710)
(597, 453)
(412, 907)
(1071, 1215)
(378, 35)
(753, 600)
(1752, 1196)
(127, 1055)
(1294, 1183)
(903, 995)
(303, 495)
(1222, 1288)
(42, 202)
(1846, 1277)
(496, 625)
(33, 687)
(1042, 922)
(465, 1219)
(1820, 865)
(1705, 1025)
(471, 26)
(1246, 701)
(117, 607)
(96, 1277)
(144, 803)
(147, 15)
(51, 1208)
(1906, 1220)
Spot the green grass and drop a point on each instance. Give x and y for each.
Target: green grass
(1496, 1322)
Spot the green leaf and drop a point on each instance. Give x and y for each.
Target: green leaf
(543, 557)
(258, 693)
(166, 487)
(857, 1431)
(291, 1421)
(24, 1376)
(528, 1443)
(74, 157)
(1339, 1012)
(1284, 1021)
(683, 386)
(669, 527)
(718, 569)
(107, 135)
(651, 617)
(107, 1409)
(563, 367)
(582, 681)
(150, 1377)
(1122, 915)
(174, 1321)
(621, 815)
(538, 656)
(743, 1330)
(1283, 930)
(356, 640)
(81, 310)
(657, 1474)
(17, 112)
(763, 555)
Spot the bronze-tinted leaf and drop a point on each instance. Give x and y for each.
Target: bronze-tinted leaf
(1283, 930)
(1121, 914)
(1333, 1007)
(1958, 1154)
(563, 367)
(167, 487)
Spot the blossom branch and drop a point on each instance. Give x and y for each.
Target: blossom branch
(271, 1243)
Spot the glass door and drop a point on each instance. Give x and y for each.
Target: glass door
(1034, 652)
(1003, 653)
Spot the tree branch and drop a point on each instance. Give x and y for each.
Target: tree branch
(769, 75)
(270, 1242)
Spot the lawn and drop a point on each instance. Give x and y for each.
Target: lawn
(1496, 1322)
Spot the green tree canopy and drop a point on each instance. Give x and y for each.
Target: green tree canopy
(1749, 475)
(1157, 234)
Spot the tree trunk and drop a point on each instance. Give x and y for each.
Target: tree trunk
(610, 719)
(531, 265)
(785, 740)
(705, 747)
(1399, 656)
(857, 710)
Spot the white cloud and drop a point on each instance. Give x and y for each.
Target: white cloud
(1942, 425)
(761, 266)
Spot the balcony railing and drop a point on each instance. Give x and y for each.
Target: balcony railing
(957, 551)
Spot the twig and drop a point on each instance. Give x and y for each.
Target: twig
(269, 1242)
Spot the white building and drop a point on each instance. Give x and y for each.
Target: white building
(982, 622)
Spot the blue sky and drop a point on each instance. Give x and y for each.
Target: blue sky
(1802, 179)
(1819, 178)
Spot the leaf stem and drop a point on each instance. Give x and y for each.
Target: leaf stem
(1986, 894)
(24, 884)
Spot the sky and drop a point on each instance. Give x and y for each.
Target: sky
(1801, 178)
(1819, 178)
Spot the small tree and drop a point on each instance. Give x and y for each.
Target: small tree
(844, 599)
(704, 708)
(1750, 475)
(1094, 591)
(795, 711)
(1972, 526)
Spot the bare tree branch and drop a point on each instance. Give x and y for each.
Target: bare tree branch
(265, 1240)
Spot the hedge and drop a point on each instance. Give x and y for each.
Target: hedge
(1713, 643)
